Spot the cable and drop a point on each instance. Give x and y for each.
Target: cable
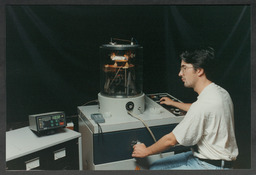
(90, 102)
(100, 132)
(99, 127)
(149, 130)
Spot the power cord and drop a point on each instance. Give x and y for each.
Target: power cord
(149, 130)
(100, 131)
(90, 102)
(99, 127)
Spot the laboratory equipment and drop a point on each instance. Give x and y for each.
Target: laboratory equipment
(129, 115)
(121, 79)
(47, 122)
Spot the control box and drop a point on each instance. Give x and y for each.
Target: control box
(47, 121)
(176, 111)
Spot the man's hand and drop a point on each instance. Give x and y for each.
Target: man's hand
(167, 141)
(140, 151)
(170, 102)
(166, 100)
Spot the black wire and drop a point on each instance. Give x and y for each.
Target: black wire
(99, 128)
(100, 131)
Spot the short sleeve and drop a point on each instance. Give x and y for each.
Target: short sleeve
(190, 130)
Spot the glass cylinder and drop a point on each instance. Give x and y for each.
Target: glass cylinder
(121, 70)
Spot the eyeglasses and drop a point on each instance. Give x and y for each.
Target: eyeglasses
(183, 68)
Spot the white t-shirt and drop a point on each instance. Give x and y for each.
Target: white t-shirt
(209, 124)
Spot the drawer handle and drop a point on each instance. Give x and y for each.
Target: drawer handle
(33, 163)
(59, 154)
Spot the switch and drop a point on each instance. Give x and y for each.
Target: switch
(134, 142)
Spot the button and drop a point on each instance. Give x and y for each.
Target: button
(176, 111)
(61, 123)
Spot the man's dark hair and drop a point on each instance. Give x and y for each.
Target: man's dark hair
(201, 58)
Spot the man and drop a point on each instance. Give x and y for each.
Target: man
(208, 124)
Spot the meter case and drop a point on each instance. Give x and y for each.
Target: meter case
(47, 121)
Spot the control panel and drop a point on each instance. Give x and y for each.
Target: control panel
(176, 111)
(47, 121)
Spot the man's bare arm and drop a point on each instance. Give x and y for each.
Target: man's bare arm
(167, 141)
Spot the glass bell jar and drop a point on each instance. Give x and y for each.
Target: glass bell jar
(121, 76)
